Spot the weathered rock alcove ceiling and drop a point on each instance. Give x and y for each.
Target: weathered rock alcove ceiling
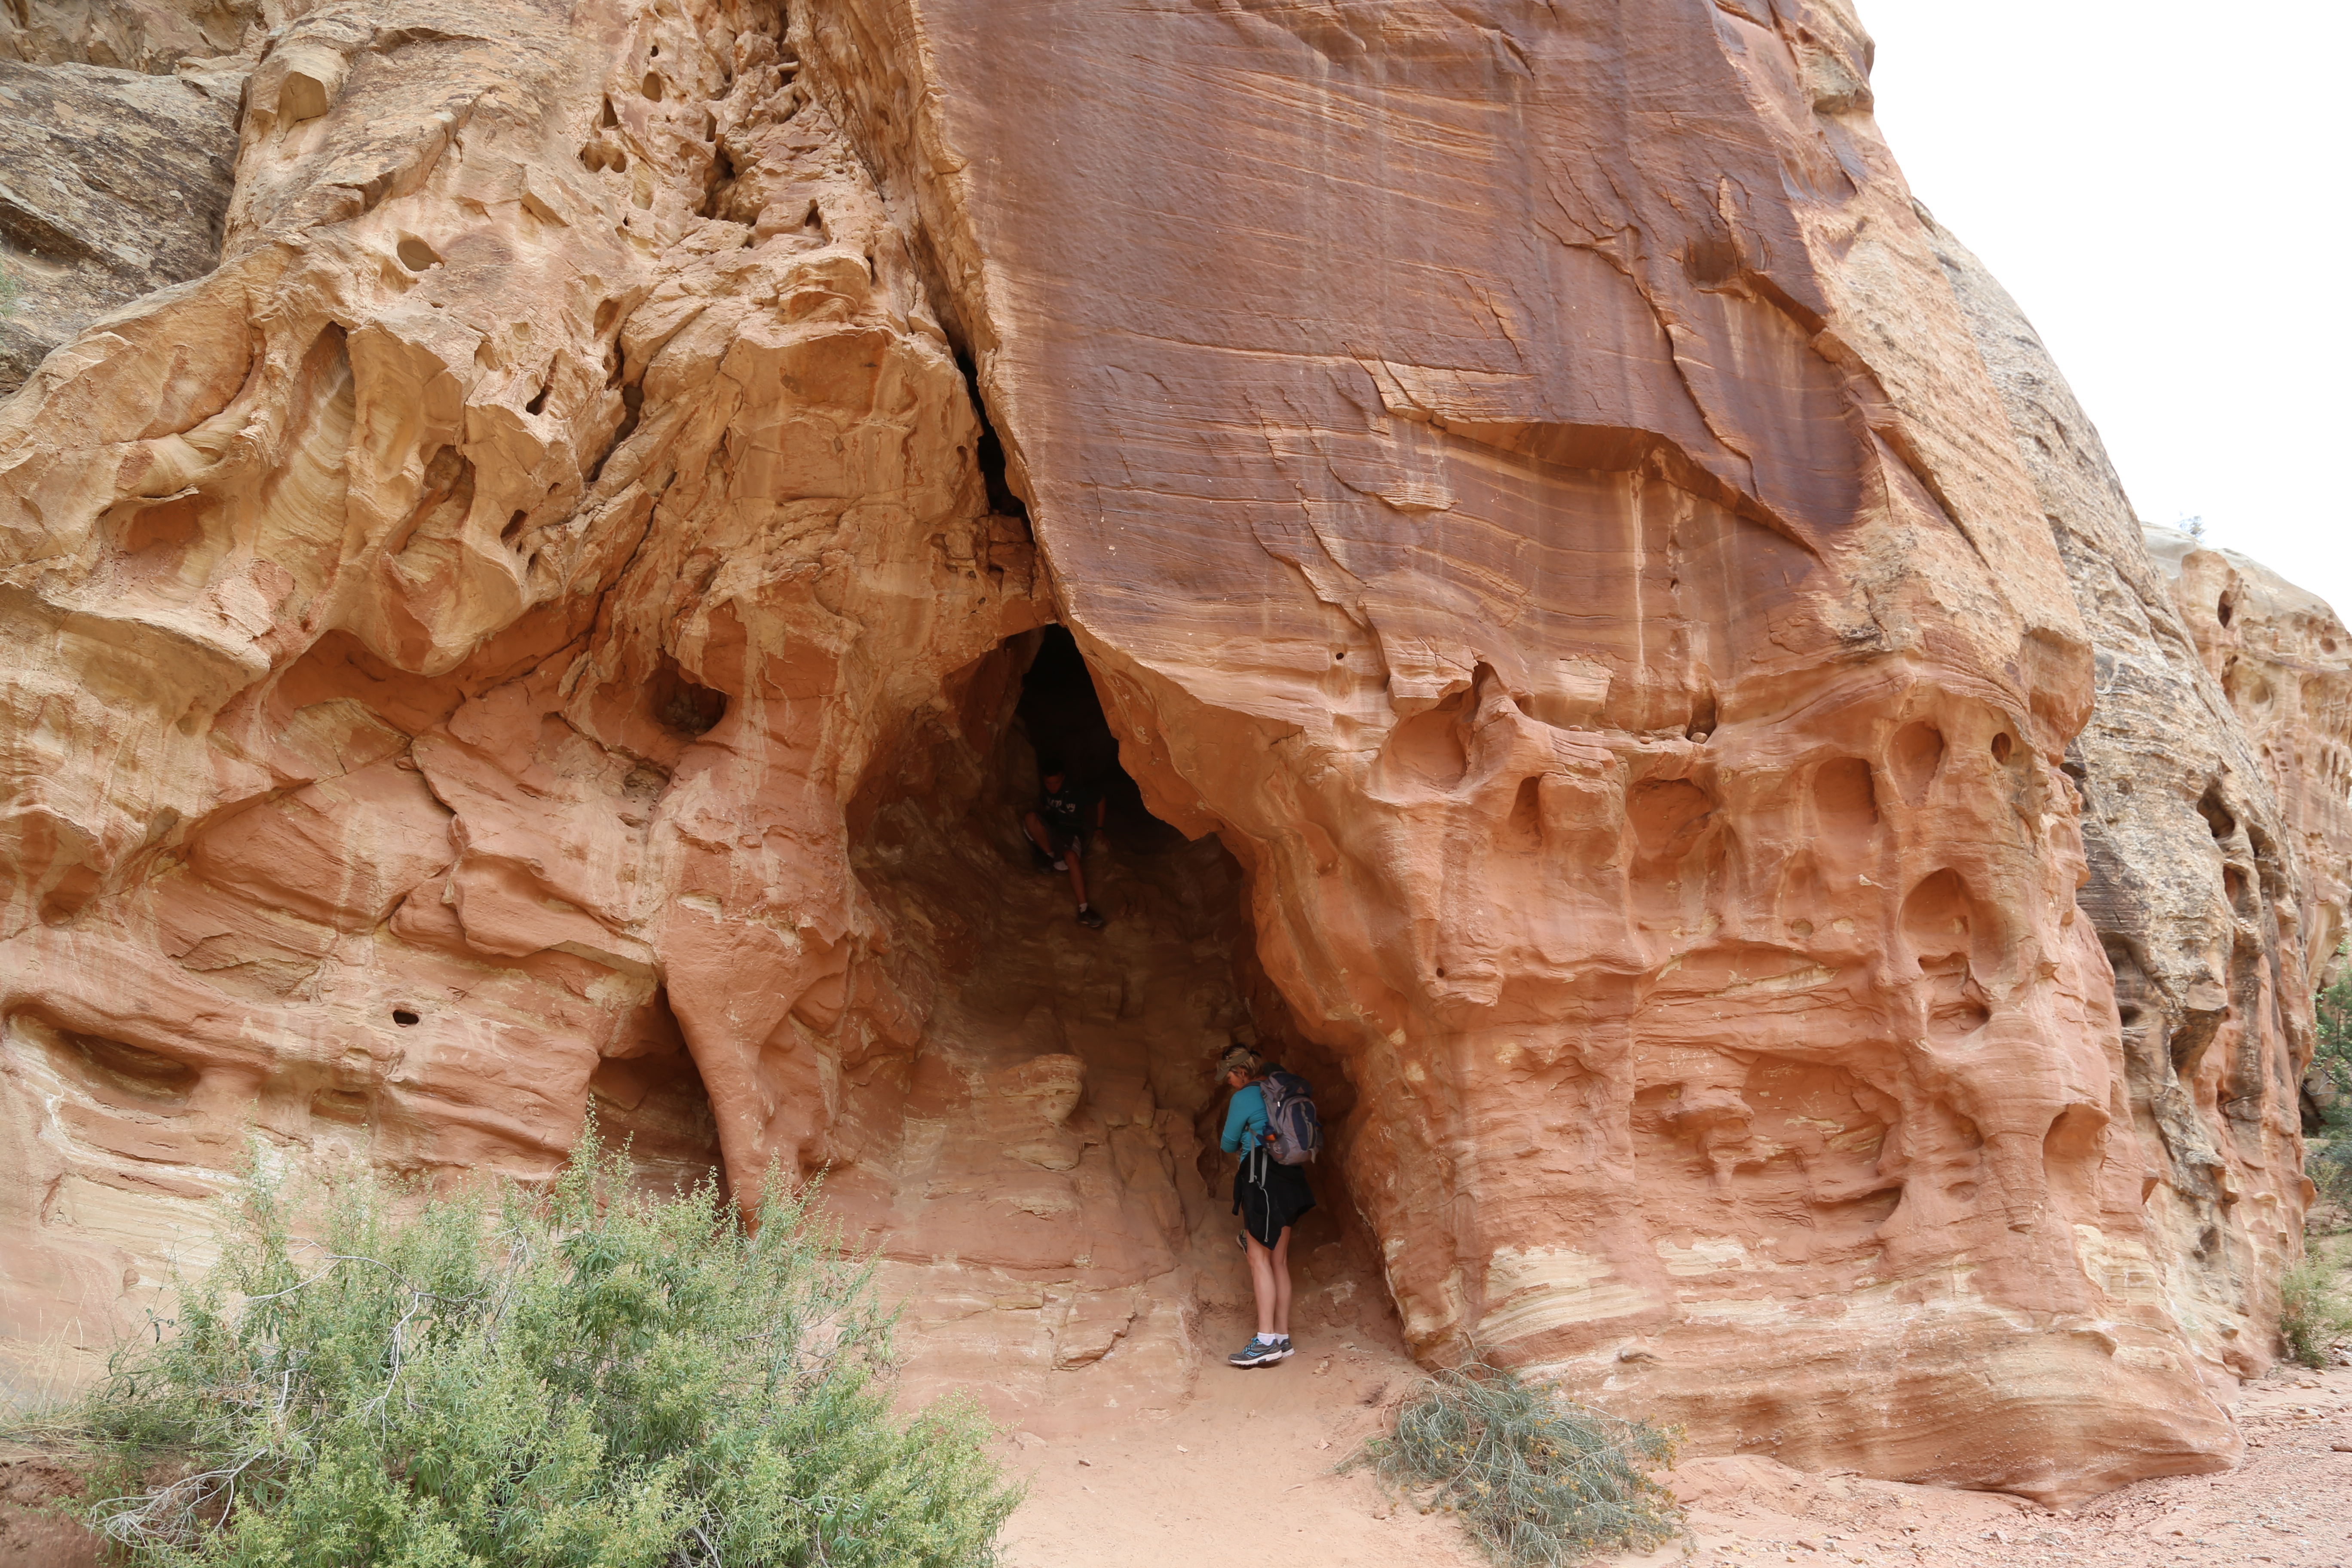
(1612, 646)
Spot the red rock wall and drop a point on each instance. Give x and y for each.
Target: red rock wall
(534, 625)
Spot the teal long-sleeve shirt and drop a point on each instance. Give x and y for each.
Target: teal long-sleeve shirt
(1244, 1120)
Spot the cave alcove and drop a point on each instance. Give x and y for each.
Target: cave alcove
(1146, 1005)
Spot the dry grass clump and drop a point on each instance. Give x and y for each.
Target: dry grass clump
(1536, 1478)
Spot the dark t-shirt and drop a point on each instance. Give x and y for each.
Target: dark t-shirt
(1068, 809)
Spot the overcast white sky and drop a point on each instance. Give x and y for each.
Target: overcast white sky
(2163, 187)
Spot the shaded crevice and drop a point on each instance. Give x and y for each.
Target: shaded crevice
(988, 451)
(648, 1097)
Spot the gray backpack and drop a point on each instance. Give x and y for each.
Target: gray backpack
(1294, 1133)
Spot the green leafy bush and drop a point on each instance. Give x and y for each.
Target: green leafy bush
(1536, 1478)
(2314, 1311)
(581, 1376)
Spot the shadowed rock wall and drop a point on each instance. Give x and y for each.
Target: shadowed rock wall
(541, 621)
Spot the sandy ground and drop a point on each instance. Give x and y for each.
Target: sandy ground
(1242, 1470)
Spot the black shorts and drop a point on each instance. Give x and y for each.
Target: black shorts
(1064, 839)
(1270, 1196)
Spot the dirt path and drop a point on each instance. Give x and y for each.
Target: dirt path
(1227, 1474)
(1240, 1472)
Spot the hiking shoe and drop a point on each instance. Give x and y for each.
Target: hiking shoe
(1060, 864)
(1258, 1352)
(1091, 919)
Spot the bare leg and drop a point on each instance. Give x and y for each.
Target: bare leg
(1262, 1282)
(1038, 834)
(1077, 877)
(1280, 1259)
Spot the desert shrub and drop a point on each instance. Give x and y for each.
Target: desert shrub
(1536, 1478)
(584, 1375)
(2315, 1311)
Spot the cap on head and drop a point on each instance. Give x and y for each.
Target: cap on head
(1239, 1059)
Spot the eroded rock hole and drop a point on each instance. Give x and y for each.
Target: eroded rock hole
(110, 1072)
(683, 704)
(720, 182)
(1055, 1120)
(2218, 817)
(415, 255)
(1914, 758)
(405, 1019)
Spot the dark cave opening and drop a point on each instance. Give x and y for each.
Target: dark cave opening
(648, 1097)
(1061, 717)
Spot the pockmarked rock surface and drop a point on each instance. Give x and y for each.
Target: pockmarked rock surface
(2284, 661)
(2212, 774)
(1542, 544)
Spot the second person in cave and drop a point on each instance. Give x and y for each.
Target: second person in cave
(1067, 818)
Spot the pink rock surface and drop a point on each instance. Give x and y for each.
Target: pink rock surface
(548, 622)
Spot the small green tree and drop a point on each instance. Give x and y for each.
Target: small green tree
(2331, 1059)
(583, 1376)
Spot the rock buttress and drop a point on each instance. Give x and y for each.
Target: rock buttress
(1533, 493)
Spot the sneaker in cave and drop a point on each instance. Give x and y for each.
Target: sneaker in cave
(1091, 918)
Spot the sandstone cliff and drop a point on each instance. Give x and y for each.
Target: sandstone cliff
(1545, 546)
(2284, 661)
(2213, 789)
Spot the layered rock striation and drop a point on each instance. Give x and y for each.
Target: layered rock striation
(1597, 621)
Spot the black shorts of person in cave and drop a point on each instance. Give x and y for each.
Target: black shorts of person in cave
(1067, 818)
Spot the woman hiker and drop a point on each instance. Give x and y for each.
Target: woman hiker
(1269, 1196)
